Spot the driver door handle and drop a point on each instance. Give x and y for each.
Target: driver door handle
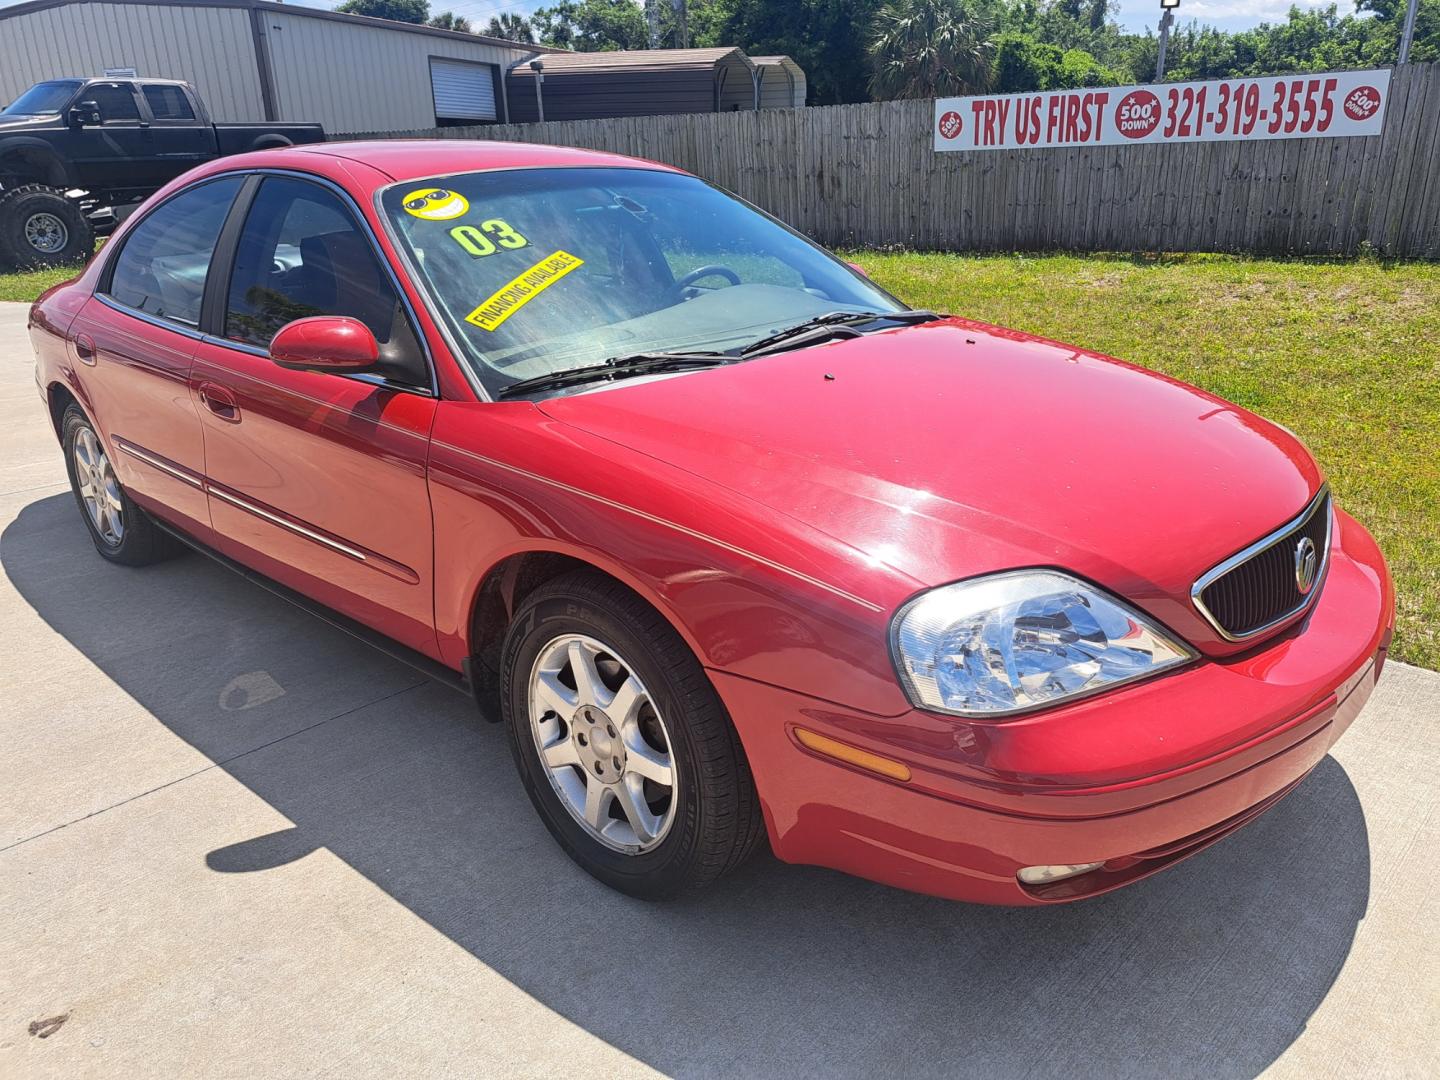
(220, 401)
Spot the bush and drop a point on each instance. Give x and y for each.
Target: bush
(1023, 64)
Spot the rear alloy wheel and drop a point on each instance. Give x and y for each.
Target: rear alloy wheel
(122, 532)
(623, 745)
(40, 227)
(97, 487)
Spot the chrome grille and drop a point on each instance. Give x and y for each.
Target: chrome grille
(1259, 587)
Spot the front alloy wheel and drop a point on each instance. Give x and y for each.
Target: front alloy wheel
(603, 743)
(621, 742)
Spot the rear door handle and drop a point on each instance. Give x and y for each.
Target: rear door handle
(85, 349)
(220, 402)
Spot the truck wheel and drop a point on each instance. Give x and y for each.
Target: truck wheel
(621, 742)
(39, 227)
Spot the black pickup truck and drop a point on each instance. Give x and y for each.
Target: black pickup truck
(74, 152)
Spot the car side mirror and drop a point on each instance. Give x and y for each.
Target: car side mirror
(858, 269)
(325, 343)
(86, 112)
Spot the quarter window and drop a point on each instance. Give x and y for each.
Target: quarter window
(162, 266)
(168, 103)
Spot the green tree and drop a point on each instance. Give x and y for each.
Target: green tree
(706, 20)
(592, 25)
(411, 11)
(511, 27)
(448, 20)
(1086, 25)
(930, 48)
(827, 38)
(1078, 68)
(1315, 39)
(1383, 44)
(1022, 63)
(1082, 40)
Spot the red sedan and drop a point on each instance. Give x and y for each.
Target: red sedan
(733, 542)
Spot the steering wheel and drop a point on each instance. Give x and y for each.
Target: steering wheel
(713, 270)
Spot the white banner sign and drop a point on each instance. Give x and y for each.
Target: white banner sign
(1283, 107)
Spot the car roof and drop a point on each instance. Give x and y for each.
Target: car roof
(415, 159)
(124, 78)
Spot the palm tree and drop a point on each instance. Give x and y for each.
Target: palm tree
(448, 20)
(930, 48)
(511, 27)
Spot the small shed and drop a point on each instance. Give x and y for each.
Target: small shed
(644, 82)
(782, 82)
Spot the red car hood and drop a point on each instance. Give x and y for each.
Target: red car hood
(954, 448)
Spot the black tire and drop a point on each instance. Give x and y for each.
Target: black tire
(57, 218)
(717, 823)
(141, 542)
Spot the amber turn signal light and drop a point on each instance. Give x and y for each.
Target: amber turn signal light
(852, 755)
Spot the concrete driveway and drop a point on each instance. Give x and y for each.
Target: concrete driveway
(234, 842)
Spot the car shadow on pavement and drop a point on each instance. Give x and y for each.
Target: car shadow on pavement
(1209, 969)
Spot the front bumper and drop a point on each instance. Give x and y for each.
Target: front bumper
(1139, 778)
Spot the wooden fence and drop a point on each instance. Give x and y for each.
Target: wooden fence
(865, 175)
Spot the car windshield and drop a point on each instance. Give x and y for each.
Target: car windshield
(42, 98)
(537, 271)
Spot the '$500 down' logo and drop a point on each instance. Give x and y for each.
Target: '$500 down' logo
(1138, 114)
(1361, 103)
(950, 125)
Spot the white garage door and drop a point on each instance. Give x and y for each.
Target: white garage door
(463, 91)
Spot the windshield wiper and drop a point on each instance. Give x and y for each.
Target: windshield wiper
(811, 331)
(805, 333)
(617, 367)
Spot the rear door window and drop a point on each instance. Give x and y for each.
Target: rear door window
(162, 266)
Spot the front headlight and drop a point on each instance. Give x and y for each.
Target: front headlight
(1021, 640)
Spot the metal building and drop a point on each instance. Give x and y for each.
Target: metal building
(254, 60)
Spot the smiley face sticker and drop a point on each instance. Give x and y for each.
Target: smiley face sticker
(436, 204)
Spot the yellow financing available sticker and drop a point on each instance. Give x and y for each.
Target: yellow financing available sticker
(436, 204)
(519, 291)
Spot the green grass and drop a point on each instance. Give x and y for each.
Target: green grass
(26, 286)
(1344, 353)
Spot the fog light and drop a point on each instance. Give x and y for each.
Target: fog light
(1045, 875)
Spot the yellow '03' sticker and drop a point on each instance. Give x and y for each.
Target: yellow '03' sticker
(481, 242)
(520, 290)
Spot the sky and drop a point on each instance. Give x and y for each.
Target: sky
(1134, 14)
(1226, 14)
